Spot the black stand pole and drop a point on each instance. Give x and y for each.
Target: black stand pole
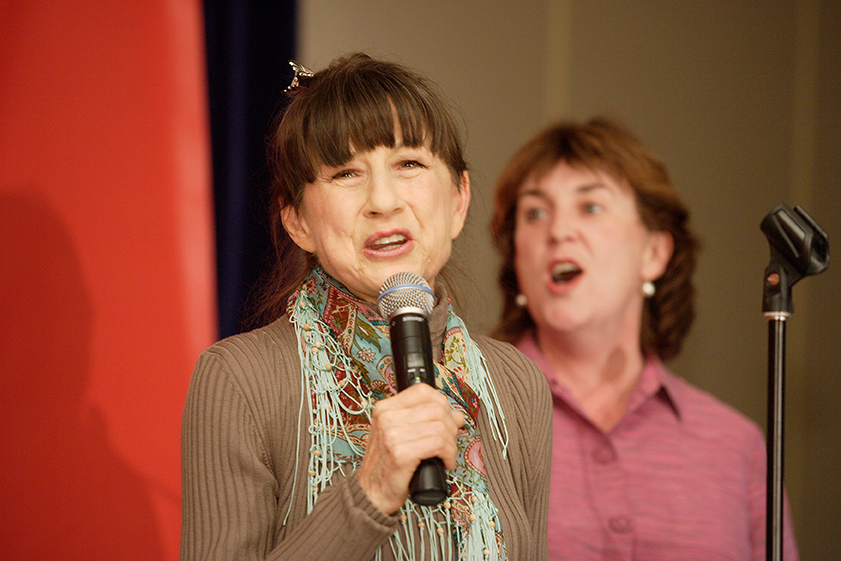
(776, 400)
(799, 247)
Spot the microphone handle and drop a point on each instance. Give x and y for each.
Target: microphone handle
(428, 486)
(412, 354)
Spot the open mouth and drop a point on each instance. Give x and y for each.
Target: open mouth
(563, 273)
(389, 242)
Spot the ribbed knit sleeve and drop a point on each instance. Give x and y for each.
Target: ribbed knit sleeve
(520, 481)
(244, 465)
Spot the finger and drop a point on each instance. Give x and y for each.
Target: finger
(419, 407)
(418, 436)
(413, 395)
(408, 454)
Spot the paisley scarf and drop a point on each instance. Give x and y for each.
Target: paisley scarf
(346, 363)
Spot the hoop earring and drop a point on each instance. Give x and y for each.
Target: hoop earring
(648, 289)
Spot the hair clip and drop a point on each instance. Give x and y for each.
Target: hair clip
(302, 73)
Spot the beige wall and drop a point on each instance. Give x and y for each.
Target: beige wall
(739, 98)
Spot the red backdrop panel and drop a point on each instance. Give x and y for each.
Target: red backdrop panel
(106, 271)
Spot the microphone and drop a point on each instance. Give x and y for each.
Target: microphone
(407, 301)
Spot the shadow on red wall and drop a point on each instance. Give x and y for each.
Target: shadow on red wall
(65, 491)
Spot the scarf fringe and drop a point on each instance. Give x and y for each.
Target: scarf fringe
(481, 539)
(484, 387)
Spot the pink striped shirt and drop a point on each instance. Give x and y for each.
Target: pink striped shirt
(681, 477)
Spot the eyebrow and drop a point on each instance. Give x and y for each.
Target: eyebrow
(581, 189)
(592, 187)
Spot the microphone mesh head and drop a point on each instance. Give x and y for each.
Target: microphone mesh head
(405, 290)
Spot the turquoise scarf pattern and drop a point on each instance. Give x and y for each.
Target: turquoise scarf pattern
(347, 367)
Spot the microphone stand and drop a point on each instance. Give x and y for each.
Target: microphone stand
(799, 247)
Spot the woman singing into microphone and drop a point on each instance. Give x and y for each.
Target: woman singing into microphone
(296, 443)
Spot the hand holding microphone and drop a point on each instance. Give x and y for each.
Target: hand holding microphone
(407, 301)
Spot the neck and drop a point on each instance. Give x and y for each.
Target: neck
(599, 376)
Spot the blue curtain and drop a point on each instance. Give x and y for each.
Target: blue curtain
(249, 44)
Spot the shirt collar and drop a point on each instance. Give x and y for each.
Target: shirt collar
(656, 380)
(674, 387)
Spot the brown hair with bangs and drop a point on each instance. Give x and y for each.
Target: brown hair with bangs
(606, 146)
(354, 105)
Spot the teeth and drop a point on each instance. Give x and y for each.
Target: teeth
(563, 272)
(396, 239)
(562, 268)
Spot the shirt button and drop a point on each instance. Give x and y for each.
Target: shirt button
(604, 454)
(621, 524)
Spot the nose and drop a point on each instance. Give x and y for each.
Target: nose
(383, 195)
(563, 226)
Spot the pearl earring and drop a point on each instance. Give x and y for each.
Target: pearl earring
(521, 300)
(648, 289)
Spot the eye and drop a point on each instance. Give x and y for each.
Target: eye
(593, 208)
(346, 178)
(344, 174)
(533, 214)
(409, 167)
